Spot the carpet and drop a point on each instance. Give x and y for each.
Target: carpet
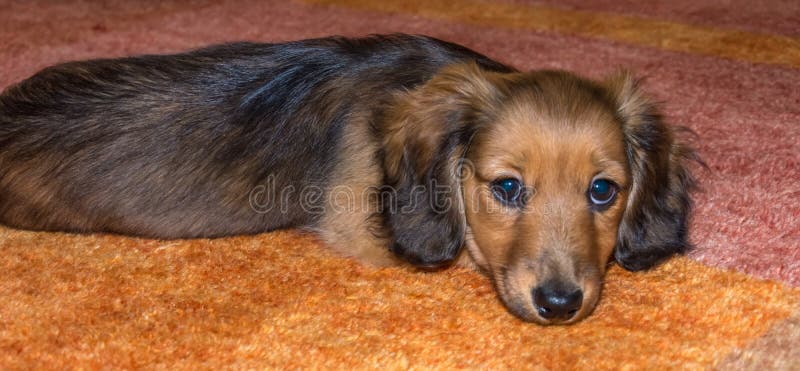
(282, 300)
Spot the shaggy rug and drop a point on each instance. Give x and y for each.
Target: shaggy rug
(282, 300)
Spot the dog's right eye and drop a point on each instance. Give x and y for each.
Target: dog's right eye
(508, 190)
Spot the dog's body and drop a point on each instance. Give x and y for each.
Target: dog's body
(364, 141)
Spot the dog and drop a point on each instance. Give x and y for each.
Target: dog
(395, 149)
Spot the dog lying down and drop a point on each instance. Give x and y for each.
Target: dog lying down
(395, 149)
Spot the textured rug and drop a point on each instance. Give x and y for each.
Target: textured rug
(281, 299)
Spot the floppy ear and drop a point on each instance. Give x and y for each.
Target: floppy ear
(654, 223)
(424, 142)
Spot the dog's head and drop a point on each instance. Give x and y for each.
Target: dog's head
(543, 176)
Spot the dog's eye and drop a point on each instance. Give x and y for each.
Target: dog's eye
(508, 190)
(602, 192)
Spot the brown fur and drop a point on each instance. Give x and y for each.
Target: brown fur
(556, 132)
(389, 147)
(556, 139)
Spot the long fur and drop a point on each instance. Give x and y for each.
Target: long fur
(245, 138)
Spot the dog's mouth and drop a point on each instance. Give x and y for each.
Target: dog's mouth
(558, 299)
(551, 302)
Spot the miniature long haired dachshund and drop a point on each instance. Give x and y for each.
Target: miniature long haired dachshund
(395, 149)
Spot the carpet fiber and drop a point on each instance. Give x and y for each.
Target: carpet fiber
(283, 300)
(107, 300)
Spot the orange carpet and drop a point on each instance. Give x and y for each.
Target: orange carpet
(282, 300)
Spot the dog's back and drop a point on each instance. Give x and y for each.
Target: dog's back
(173, 146)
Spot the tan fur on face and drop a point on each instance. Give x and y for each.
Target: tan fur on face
(555, 139)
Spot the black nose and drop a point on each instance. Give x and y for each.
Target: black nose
(554, 302)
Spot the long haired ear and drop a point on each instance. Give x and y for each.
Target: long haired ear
(425, 139)
(654, 224)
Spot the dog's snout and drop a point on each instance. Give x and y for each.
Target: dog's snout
(557, 303)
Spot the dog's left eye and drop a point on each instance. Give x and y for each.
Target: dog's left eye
(602, 192)
(509, 191)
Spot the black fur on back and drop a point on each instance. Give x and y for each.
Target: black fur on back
(170, 146)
